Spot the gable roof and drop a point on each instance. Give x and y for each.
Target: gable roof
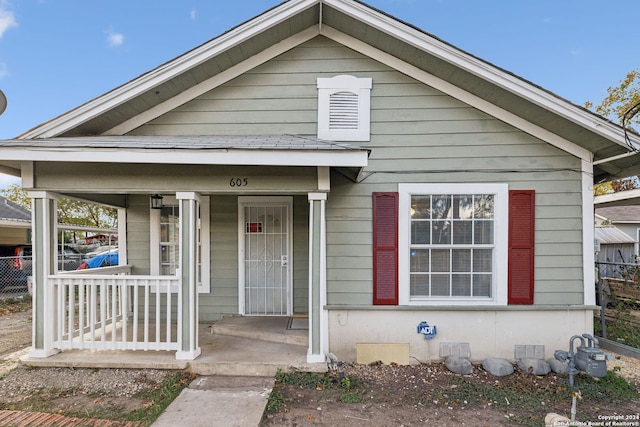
(620, 214)
(12, 212)
(612, 235)
(372, 33)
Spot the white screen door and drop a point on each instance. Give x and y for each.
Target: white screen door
(265, 231)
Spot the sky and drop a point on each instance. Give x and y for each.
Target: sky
(58, 54)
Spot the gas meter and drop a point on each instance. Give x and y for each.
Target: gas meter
(588, 358)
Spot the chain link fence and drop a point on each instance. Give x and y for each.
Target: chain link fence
(14, 280)
(16, 271)
(618, 294)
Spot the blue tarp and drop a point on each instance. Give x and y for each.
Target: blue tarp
(103, 260)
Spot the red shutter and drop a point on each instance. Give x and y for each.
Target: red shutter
(521, 246)
(385, 248)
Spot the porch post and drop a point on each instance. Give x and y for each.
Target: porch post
(318, 339)
(43, 224)
(188, 310)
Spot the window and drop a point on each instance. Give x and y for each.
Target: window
(343, 108)
(453, 243)
(165, 241)
(169, 240)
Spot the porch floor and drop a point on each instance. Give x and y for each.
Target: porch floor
(235, 345)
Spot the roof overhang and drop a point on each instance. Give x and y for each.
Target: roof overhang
(281, 150)
(13, 223)
(621, 198)
(295, 21)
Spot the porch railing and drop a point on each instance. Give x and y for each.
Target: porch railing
(109, 309)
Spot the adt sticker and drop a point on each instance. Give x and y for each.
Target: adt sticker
(428, 331)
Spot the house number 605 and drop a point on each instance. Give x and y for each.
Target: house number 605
(238, 182)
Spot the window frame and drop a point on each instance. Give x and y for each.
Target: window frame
(499, 285)
(204, 284)
(357, 87)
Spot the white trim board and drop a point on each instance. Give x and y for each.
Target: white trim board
(478, 67)
(287, 10)
(258, 157)
(212, 83)
(168, 70)
(457, 93)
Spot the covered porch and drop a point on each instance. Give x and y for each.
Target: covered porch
(234, 345)
(116, 309)
(208, 181)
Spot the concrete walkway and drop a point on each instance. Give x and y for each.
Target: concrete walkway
(240, 358)
(237, 367)
(219, 401)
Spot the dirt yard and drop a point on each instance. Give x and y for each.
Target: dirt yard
(15, 337)
(378, 395)
(430, 395)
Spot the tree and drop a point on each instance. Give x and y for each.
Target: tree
(620, 105)
(620, 99)
(70, 212)
(17, 195)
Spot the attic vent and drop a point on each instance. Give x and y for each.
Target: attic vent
(343, 108)
(343, 111)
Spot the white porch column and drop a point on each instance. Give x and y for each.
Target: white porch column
(318, 321)
(43, 224)
(188, 302)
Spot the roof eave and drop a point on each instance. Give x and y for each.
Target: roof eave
(476, 66)
(227, 156)
(167, 71)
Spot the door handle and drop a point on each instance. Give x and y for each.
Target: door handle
(284, 260)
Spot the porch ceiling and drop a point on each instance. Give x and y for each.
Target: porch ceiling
(262, 150)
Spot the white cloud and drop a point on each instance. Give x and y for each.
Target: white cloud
(4, 71)
(7, 18)
(114, 39)
(193, 14)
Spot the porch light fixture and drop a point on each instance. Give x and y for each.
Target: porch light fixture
(156, 201)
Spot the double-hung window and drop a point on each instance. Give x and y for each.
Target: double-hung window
(165, 241)
(169, 240)
(452, 243)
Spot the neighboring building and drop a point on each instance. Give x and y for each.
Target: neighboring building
(613, 245)
(326, 158)
(15, 223)
(627, 220)
(101, 239)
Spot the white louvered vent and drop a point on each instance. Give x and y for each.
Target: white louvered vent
(343, 108)
(343, 111)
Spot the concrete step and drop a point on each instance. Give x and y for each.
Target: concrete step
(254, 369)
(270, 329)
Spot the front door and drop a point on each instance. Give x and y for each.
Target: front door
(264, 254)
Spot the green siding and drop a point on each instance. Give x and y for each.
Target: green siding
(223, 298)
(138, 227)
(300, 255)
(418, 134)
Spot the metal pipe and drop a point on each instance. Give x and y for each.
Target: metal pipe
(572, 358)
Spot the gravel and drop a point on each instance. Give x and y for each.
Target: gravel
(24, 381)
(19, 381)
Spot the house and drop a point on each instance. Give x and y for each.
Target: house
(15, 224)
(100, 239)
(325, 158)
